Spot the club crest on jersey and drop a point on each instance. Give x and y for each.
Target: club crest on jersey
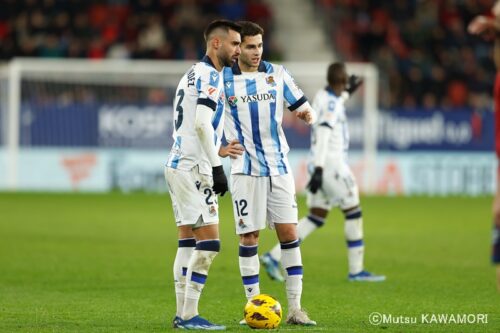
(242, 224)
(212, 211)
(232, 100)
(270, 81)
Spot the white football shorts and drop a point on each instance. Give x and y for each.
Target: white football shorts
(339, 189)
(193, 200)
(263, 201)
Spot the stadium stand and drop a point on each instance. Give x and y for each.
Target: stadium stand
(425, 56)
(136, 29)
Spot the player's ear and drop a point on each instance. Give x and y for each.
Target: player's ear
(216, 42)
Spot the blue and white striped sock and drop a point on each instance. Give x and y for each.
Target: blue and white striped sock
(291, 260)
(184, 252)
(249, 269)
(309, 224)
(197, 272)
(353, 228)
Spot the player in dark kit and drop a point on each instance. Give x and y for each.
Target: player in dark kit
(489, 28)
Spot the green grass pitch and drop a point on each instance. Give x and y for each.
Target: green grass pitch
(103, 263)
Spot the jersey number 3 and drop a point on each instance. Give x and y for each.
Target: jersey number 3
(179, 109)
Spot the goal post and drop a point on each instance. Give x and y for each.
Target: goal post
(35, 88)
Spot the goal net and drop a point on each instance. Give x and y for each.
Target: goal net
(75, 105)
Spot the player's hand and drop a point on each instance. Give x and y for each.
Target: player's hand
(309, 116)
(220, 180)
(483, 26)
(354, 83)
(496, 9)
(480, 24)
(316, 180)
(233, 149)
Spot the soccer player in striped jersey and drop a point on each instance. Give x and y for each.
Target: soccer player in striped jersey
(262, 184)
(489, 29)
(332, 182)
(194, 171)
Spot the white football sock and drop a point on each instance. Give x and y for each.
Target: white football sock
(353, 229)
(184, 252)
(291, 260)
(197, 272)
(308, 224)
(249, 270)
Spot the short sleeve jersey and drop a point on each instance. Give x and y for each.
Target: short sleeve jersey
(254, 116)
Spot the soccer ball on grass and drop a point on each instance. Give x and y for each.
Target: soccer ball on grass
(263, 311)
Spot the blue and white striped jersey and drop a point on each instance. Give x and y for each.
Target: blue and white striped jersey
(202, 84)
(331, 113)
(254, 115)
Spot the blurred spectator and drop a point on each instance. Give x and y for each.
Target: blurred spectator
(118, 51)
(232, 9)
(138, 29)
(50, 47)
(152, 36)
(425, 57)
(96, 49)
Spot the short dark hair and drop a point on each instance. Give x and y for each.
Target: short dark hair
(336, 73)
(250, 29)
(226, 25)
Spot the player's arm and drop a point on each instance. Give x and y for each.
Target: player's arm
(495, 26)
(306, 113)
(205, 132)
(322, 132)
(484, 26)
(488, 28)
(205, 107)
(496, 47)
